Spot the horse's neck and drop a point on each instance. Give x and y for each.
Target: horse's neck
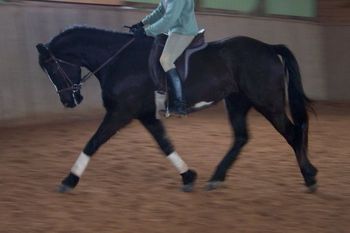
(96, 53)
(92, 49)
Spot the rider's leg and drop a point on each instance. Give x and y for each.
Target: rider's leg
(174, 47)
(178, 104)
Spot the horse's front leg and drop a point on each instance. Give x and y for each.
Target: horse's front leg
(111, 123)
(156, 128)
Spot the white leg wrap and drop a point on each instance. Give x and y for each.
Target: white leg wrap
(179, 164)
(81, 164)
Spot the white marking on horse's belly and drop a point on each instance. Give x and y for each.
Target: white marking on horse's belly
(81, 164)
(202, 104)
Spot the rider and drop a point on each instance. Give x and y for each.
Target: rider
(177, 18)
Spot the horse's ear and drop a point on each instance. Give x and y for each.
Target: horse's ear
(42, 49)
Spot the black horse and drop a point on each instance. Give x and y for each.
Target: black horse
(243, 71)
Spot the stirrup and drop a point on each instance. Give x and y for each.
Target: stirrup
(178, 109)
(177, 113)
(168, 112)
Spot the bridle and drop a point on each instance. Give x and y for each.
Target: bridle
(71, 85)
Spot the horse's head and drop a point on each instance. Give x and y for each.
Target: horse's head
(65, 74)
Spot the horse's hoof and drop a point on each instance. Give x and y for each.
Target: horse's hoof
(312, 188)
(188, 179)
(311, 184)
(212, 185)
(64, 189)
(188, 188)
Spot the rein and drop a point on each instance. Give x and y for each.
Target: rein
(87, 76)
(77, 87)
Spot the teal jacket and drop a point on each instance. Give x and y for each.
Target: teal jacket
(172, 16)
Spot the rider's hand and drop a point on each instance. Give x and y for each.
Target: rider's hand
(137, 26)
(139, 32)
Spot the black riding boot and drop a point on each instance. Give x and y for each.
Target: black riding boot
(178, 106)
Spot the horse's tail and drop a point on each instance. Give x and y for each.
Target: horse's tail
(299, 103)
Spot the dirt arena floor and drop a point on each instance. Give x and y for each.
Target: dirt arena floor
(129, 186)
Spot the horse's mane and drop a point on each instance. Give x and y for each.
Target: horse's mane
(87, 32)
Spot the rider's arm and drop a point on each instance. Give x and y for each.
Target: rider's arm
(155, 15)
(172, 14)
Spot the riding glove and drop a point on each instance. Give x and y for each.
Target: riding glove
(137, 26)
(139, 32)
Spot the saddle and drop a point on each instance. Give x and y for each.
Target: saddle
(182, 63)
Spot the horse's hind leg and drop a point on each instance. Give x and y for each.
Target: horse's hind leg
(109, 126)
(156, 128)
(237, 106)
(296, 137)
